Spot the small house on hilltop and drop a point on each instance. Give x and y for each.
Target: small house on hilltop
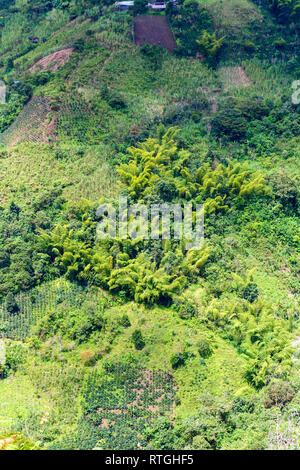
(121, 6)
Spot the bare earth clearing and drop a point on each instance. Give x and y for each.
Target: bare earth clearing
(53, 61)
(150, 29)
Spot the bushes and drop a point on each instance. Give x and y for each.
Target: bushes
(112, 97)
(11, 305)
(286, 190)
(140, 7)
(278, 393)
(178, 360)
(209, 45)
(188, 22)
(204, 348)
(153, 55)
(250, 292)
(184, 307)
(124, 321)
(21, 267)
(138, 340)
(87, 357)
(18, 94)
(229, 123)
(231, 119)
(15, 357)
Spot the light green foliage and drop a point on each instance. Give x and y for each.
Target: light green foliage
(151, 161)
(209, 45)
(259, 335)
(129, 343)
(160, 158)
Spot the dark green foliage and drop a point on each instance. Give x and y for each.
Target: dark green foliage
(178, 360)
(253, 108)
(6, 4)
(18, 93)
(250, 292)
(165, 189)
(40, 78)
(153, 55)
(17, 254)
(140, 7)
(286, 11)
(124, 321)
(184, 308)
(11, 304)
(161, 435)
(230, 124)
(138, 339)
(120, 406)
(188, 22)
(204, 348)
(112, 97)
(233, 115)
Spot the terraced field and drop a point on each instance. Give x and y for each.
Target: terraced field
(33, 124)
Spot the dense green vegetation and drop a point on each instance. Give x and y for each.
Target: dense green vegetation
(142, 343)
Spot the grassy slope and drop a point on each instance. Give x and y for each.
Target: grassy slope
(31, 168)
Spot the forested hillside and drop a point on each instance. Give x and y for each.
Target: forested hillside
(141, 343)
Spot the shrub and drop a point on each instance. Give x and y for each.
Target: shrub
(140, 7)
(11, 304)
(112, 97)
(229, 123)
(249, 46)
(153, 54)
(204, 348)
(138, 339)
(280, 43)
(278, 393)
(15, 356)
(184, 308)
(178, 360)
(253, 108)
(250, 292)
(209, 45)
(124, 321)
(165, 189)
(285, 189)
(87, 357)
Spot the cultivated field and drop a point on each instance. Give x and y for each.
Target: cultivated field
(149, 29)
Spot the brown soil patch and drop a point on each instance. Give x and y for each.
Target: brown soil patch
(105, 423)
(6, 442)
(53, 61)
(150, 29)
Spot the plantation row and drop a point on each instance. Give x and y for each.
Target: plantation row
(119, 407)
(20, 313)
